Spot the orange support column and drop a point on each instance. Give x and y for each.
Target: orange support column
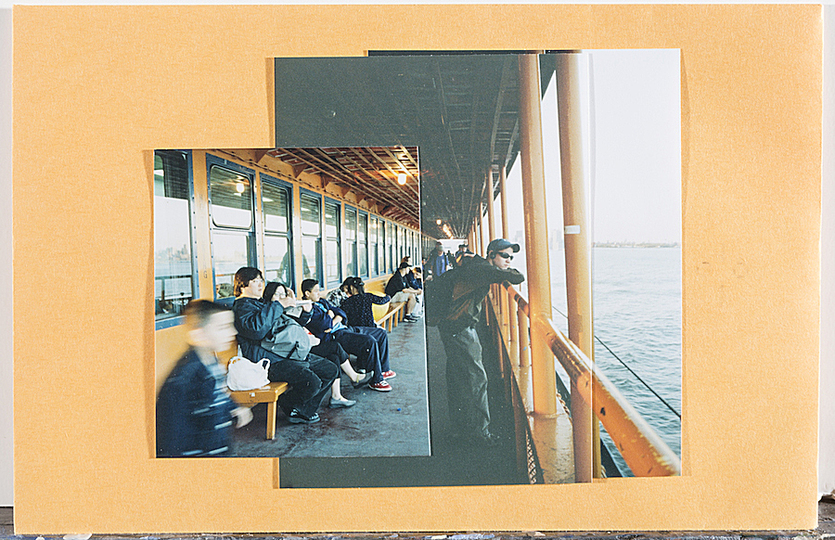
(577, 249)
(536, 230)
(508, 304)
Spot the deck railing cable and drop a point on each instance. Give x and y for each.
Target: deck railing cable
(664, 401)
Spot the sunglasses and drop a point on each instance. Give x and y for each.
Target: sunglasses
(504, 255)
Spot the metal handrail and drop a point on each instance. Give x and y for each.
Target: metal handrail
(639, 444)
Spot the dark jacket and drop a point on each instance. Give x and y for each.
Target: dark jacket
(436, 264)
(320, 323)
(472, 283)
(396, 283)
(254, 320)
(194, 412)
(359, 310)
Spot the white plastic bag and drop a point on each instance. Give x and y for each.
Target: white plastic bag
(245, 375)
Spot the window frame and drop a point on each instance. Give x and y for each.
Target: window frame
(360, 215)
(329, 280)
(320, 249)
(250, 234)
(288, 188)
(176, 320)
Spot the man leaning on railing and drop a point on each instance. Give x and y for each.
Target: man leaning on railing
(469, 284)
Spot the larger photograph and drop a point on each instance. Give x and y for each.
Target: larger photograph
(452, 269)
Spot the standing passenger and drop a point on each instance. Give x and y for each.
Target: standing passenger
(310, 380)
(194, 412)
(466, 377)
(437, 263)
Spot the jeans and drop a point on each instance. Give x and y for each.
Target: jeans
(309, 382)
(370, 345)
(466, 378)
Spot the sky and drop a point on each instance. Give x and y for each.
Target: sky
(636, 139)
(631, 118)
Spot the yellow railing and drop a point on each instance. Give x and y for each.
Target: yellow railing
(641, 447)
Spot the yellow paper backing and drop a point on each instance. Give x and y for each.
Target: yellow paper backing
(97, 88)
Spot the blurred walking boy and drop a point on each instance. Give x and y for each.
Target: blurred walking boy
(194, 411)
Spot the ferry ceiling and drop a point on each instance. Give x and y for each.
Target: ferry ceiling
(359, 121)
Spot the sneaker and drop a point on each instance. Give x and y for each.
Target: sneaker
(365, 379)
(297, 417)
(389, 374)
(409, 318)
(341, 403)
(381, 386)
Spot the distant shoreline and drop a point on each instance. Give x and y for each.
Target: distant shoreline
(637, 244)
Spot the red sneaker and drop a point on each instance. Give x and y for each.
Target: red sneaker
(381, 386)
(389, 374)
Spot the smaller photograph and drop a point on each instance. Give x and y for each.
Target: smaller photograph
(288, 303)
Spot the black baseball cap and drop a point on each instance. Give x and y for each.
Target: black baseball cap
(500, 244)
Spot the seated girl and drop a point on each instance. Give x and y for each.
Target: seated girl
(357, 304)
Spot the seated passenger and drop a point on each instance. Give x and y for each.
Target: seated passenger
(333, 351)
(411, 280)
(336, 296)
(400, 292)
(370, 345)
(357, 305)
(194, 412)
(309, 380)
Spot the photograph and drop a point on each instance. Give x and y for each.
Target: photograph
(401, 204)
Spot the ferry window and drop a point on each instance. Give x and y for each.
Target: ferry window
(173, 285)
(390, 246)
(232, 219)
(276, 205)
(311, 236)
(332, 247)
(230, 251)
(278, 258)
(401, 244)
(351, 240)
(231, 195)
(362, 245)
(372, 246)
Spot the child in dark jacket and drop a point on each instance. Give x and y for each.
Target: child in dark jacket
(370, 345)
(357, 303)
(194, 411)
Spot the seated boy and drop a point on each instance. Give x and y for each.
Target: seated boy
(194, 411)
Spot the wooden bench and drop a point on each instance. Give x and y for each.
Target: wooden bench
(391, 315)
(266, 394)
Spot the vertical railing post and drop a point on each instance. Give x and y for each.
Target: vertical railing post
(577, 247)
(480, 220)
(536, 230)
(524, 339)
(491, 217)
(511, 321)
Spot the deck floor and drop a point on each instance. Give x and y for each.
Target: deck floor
(400, 438)
(381, 424)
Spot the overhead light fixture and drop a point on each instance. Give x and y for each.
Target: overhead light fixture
(401, 179)
(438, 221)
(239, 187)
